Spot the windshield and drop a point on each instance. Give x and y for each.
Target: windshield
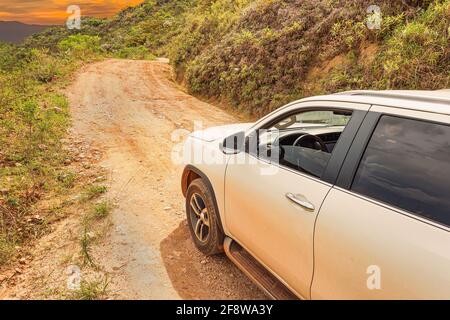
(314, 119)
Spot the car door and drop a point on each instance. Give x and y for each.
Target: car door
(271, 206)
(383, 230)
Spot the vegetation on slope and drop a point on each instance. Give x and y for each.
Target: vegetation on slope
(34, 118)
(272, 52)
(257, 55)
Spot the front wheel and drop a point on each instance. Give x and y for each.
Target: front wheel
(203, 219)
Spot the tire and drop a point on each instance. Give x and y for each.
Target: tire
(203, 219)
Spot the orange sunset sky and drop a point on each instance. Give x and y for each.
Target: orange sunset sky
(54, 11)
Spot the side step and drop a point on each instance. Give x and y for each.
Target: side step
(256, 272)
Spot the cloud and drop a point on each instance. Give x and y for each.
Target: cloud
(54, 11)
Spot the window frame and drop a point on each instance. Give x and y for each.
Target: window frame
(357, 150)
(331, 172)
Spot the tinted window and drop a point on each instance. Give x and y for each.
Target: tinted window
(407, 164)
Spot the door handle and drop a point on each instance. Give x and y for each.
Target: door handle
(300, 200)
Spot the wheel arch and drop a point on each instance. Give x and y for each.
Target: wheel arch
(190, 173)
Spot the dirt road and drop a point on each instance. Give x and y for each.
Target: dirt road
(130, 109)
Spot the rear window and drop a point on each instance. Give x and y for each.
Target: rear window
(407, 165)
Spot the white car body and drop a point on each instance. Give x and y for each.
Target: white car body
(348, 246)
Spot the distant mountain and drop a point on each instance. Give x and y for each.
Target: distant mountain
(16, 32)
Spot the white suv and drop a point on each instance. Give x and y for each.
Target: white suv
(344, 196)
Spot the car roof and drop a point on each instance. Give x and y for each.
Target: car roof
(421, 100)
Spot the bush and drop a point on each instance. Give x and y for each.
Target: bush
(8, 59)
(136, 53)
(417, 54)
(42, 66)
(258, 55)
(80, 45)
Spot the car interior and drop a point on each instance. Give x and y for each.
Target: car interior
(304, 141)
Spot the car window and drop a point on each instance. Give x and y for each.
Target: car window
(407, 165)
(303, 141)
(313, 118)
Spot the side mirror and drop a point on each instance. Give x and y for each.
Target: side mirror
(233, 144)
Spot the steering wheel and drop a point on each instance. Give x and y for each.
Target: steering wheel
(310, 141)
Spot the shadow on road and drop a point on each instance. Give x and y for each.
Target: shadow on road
(196, 276)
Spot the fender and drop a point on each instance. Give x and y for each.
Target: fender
(191, 173)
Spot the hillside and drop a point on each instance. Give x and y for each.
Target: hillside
(256, 55)
(260, 56)
(16, 32)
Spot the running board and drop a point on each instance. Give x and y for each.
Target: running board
(256, 272)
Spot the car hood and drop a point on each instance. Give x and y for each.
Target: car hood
(221, 132)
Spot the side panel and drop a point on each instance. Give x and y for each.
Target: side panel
(274, 230)
(357, 237)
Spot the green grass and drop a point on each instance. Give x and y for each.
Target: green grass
(97, 213)
(91, 290)
(101, 209)
(6, 250)
(34, 117)
(67, 179)
(85, 244)
(94, 191)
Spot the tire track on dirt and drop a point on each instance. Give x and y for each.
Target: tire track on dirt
(129, 109)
